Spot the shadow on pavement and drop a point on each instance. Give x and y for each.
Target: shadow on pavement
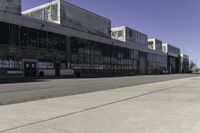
(20, 80)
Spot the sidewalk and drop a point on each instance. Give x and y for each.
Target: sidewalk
(163, 107)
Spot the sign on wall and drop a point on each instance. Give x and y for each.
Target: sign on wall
(11, 6)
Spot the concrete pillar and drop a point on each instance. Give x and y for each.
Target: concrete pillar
(59, 3)
(68, 52)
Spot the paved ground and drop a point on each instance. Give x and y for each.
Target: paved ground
(51, 88)
(163, 107)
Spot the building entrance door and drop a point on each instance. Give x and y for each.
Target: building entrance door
(57, 69)
(30, 69)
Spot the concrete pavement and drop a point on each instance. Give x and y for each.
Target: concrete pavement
(51, 88)
(162, 107)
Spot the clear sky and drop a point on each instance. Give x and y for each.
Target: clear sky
(174, 21)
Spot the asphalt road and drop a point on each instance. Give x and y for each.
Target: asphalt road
(50, 88)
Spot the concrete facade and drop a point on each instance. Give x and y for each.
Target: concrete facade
(174, 64)
(71, 16)
(127, 34)
(53, 47)
(184, 63)
(154, 44)
(12, 6)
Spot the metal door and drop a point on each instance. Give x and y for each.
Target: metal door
(30, 69)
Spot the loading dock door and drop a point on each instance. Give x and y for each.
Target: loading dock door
(30, 69)
(142, 65)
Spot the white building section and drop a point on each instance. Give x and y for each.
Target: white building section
(126, 34)
(154, 44)
(72, 16)
(47, 12)
(171, 50)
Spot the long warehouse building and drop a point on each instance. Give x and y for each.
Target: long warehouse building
(58, 39)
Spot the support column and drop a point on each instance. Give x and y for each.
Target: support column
(68, 52)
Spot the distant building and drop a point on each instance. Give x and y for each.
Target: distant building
(126, 34)
(173, 57)
(184, 63)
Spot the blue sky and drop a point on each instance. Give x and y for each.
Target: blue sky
(174, 21)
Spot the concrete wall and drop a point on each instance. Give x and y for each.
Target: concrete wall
(127, 34)
(156, 44)
(81, 19)
(171, 50)
(73, 17)
(11, 6)
(136, 36)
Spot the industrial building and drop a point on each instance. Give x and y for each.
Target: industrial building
(184, 63)
(173, 57)
(155, 44)
(58, 39)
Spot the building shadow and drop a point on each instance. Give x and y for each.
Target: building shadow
(14, 80)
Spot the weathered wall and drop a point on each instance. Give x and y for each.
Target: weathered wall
(78, 18)
(119, 33)
(12, 6)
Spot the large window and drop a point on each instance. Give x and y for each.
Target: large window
(9, 34)
(33, 35)
(89, 56)
(45, 65)
(14, 34)
(24, 38)
(157, 62)
(10, 64)
(136, 36)
(49, 13)
(42, 39)
(4, 33)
